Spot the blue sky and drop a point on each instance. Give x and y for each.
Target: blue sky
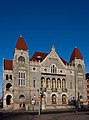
(42, 23)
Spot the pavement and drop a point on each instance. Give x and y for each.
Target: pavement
(53, 116)
(61, 114)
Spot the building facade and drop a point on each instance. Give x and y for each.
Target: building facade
(87, 86)
(44, 78)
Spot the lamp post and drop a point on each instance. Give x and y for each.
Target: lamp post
(78, 101)
(40, 94)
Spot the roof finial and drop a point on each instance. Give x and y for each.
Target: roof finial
(53, 48)
(20, 35)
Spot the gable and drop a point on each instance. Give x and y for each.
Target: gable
(53, 58)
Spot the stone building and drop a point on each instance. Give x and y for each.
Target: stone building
(44, 78)
(87, 86)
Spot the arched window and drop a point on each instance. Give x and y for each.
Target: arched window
(53, 99)
(7, 77)
(53, 69)
(21, 59)
(63, 84)
(22, 77)
(63, 99)
(8, 99)
(42, 82)
(79, 66)
(10, 77)
(8, 86)
(22, 98)
(48, 83)
(53, 83)
(58, 83)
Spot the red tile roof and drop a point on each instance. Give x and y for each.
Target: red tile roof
(41, 56)
(21, 44)
(64, 61)
(76, 54)
(38, 56)
(8, 64)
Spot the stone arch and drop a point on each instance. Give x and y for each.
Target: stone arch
(22, 97)
(53, 83)
(54, 97)
(8, 86)
(22, 101)
(42, 82)
(48, 83)
(21, 59)
(59, 83)
(63, 84)
(54, 93)
(8, 99)
(64, 99)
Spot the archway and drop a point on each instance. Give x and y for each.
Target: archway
(22, 101)
(53, 99)
(8, 86)
(8, 99)
(63, 99)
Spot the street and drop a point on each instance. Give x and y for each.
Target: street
(58, 116)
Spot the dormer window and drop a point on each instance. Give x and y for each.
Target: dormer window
(21, 59)
(53, 69)
(38, 58)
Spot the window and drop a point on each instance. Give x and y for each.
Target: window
(22, 77)
(34, 83)
(53, 69)
(10, 77)
(8, 86)
(58, 83)
(53, 83)
(63, 84)
(6, 77)
(21, 59)
(63, 99)
(34, 68)
(79, 66)
(21, 97)
(53, 99)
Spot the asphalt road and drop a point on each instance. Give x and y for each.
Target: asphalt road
(58, 116)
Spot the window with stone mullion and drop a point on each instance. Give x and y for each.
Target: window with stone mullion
(21, 78)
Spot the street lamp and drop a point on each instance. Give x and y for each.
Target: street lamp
(78, 101)
(40, 95)
(33, 102)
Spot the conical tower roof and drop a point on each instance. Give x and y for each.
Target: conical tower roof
(76, 54)
(21, 44)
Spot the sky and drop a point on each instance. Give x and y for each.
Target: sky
(43, 23)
